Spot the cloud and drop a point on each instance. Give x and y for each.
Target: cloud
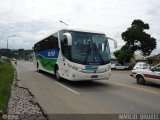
(30, 20)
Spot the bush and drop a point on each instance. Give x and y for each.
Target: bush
(6, 79)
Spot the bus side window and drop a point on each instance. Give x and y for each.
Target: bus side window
(37, 47)
(52, 42)
(43, 45)
(55, 38)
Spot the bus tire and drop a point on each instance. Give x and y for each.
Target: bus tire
(38, 70)
(57, 74)
(140, 80)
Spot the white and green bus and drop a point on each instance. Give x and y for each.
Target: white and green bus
(74, 54)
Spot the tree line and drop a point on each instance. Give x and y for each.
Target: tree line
(20, 54)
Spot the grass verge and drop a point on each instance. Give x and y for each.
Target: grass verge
(6, 79)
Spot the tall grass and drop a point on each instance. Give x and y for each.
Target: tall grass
(6, 79)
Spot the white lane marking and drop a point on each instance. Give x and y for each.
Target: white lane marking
(67, 88)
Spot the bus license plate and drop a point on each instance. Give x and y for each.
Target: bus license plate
(94, 76)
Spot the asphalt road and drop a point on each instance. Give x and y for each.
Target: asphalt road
(119, 94)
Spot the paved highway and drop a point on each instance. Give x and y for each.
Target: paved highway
(119, 94)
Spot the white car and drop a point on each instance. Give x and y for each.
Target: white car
(120, 67)
(147, 75)
(141, 65)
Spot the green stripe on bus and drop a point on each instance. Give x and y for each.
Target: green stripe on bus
(47, 63)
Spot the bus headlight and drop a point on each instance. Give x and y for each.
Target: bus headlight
(75, 68)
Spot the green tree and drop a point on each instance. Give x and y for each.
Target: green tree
(123, 55)
(137, 39)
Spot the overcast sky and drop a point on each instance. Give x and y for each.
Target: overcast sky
(30, 20)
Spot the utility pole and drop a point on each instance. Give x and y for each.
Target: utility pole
(7, 42)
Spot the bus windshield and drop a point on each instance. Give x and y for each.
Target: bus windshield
(89, 48)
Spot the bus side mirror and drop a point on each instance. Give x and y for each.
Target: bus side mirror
(68, 39)
(115, 42)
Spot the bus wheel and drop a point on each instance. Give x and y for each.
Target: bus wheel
(140, 80)
(38, 70)
(57, 74)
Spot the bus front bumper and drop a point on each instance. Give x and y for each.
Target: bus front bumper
(80, 76)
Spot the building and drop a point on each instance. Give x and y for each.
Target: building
(155, 59)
